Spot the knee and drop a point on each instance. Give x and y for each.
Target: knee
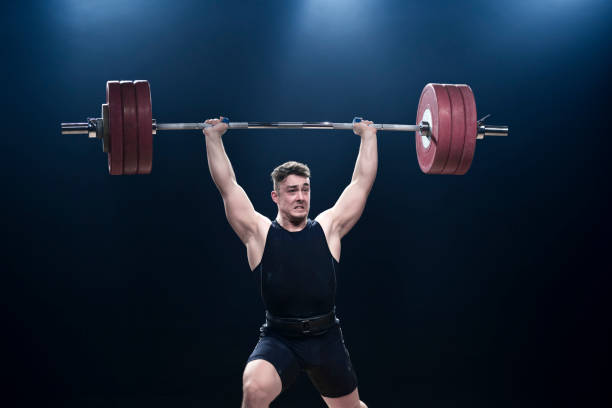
(255, 394)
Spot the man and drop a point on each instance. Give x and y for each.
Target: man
(296, 260)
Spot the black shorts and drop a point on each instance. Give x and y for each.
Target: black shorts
(324, 358)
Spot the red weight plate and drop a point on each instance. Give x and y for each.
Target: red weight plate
(457, 129)
(471, 129)
(115, 118)
(145, 127)
(432, 153)
(130, 128)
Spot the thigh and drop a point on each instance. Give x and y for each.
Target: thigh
(279, 356)
(333, 374)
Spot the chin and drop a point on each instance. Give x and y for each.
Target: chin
(296, 218)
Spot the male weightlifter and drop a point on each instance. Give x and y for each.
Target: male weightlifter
(296, 259)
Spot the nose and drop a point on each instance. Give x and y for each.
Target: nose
(301, 196)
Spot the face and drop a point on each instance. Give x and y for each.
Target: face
(293, 198)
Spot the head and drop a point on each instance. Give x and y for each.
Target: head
(292, 190)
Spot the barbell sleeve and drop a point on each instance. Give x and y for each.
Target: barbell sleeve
(494, 130)
(75, 128)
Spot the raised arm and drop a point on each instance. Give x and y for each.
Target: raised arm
(238, 208)
(344, 214)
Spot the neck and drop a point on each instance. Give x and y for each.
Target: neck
(291, 224)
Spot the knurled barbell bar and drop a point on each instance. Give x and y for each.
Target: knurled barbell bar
(445, 135)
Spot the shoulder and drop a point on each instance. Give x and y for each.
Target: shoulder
(263, 226)
(263, 223)
(325, 220)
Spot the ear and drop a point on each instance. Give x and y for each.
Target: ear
(274, 196)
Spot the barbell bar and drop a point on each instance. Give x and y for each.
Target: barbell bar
(445, 136)
(74, 128)
(89, 127)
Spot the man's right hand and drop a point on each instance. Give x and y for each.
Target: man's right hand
(217, 130)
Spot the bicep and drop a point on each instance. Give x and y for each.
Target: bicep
(240, 212)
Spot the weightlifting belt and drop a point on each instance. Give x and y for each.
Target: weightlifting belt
(296, 326)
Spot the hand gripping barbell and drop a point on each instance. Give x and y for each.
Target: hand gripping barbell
(445, 135)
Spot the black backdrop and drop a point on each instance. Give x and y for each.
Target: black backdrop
(483, 290)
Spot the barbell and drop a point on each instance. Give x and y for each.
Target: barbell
(445, 136)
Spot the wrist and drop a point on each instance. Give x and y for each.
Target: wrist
(213, 136)
(369, 134)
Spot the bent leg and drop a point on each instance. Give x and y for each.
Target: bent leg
(348, 401)
(260, 384)
(271, 367)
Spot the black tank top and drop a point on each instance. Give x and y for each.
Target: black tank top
(297, 273)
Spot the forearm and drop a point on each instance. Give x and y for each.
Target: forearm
(367, 162)
(219, 164)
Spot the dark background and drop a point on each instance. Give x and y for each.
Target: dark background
(487, 290)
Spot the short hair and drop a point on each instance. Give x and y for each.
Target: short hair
(291, 167)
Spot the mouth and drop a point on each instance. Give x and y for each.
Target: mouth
(299, 207)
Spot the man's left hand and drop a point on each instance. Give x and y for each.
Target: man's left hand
(362, 129)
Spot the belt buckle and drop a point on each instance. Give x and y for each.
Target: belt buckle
(306, 326)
